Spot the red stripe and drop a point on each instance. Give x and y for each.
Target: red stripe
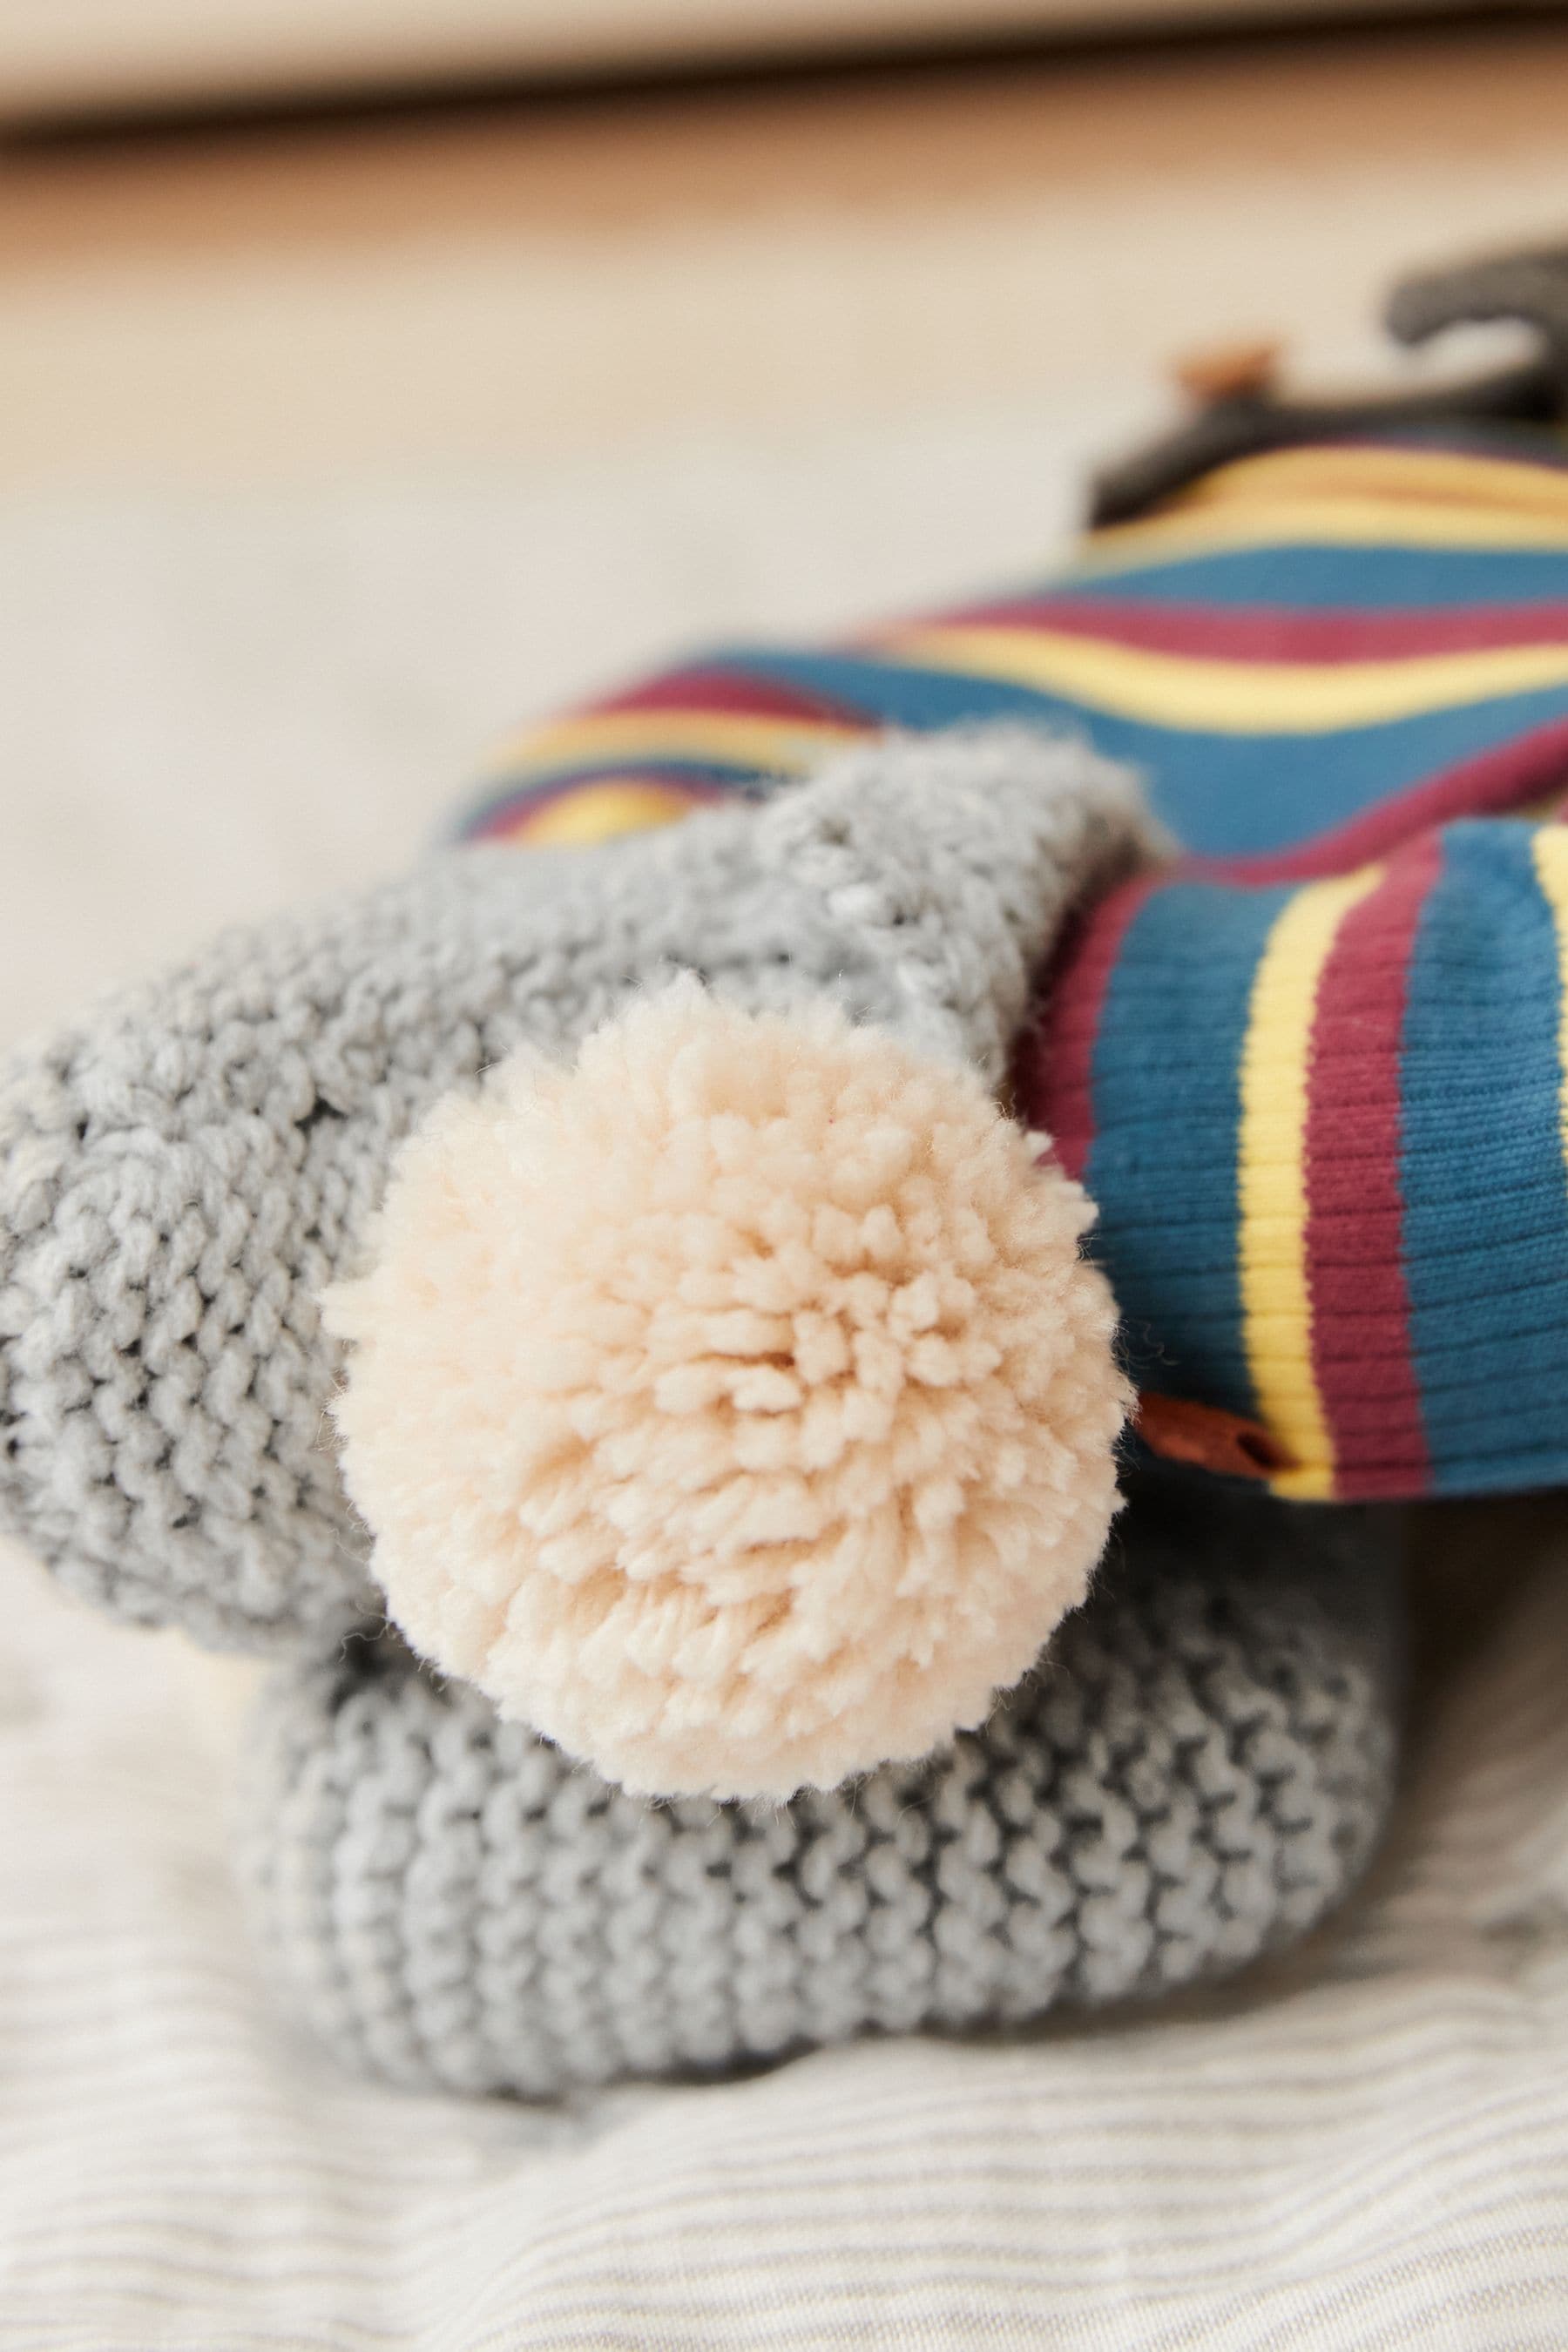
(1053, 1068)
(1273, 634)
(1361, 1304)
(1509, 776)
(731, 693)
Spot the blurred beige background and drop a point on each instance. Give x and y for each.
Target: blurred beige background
(327, 448)
(94, 55)
(540, 280)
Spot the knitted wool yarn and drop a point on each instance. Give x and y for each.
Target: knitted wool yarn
(1196, 1774)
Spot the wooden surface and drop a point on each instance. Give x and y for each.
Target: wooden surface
(559, 276)
(88, 55)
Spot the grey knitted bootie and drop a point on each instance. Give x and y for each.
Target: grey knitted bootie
(1196, 1774)
(185, 1171)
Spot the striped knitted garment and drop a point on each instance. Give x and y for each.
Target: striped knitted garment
(1313, 1074)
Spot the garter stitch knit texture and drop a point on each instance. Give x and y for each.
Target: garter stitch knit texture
(1196, 1772)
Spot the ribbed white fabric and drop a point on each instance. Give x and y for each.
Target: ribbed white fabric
(1369, 2147)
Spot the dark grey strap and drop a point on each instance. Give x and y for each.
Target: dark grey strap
(1530, 287)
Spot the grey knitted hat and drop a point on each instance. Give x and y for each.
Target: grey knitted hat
(1195, 1775)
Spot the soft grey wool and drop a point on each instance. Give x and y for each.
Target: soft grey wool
(1196, 1772)
(184, 1173)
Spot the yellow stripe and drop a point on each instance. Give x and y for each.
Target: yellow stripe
(591, 812)
(1202, 528)
(1494, 485)
(676, 734)
(1232, 698)
(1277, 1307)
(1549, 849)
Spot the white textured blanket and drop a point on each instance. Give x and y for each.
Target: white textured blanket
(1367, 2145)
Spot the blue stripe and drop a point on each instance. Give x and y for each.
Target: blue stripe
(1167, 1113)
(1375, 579)
(1222, 794)
(1486, 1204)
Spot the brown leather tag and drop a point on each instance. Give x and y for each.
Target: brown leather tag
(1180, 1430)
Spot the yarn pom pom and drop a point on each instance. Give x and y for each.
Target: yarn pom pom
(736, 1409)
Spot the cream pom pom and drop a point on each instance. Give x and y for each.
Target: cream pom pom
(736, 1408)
